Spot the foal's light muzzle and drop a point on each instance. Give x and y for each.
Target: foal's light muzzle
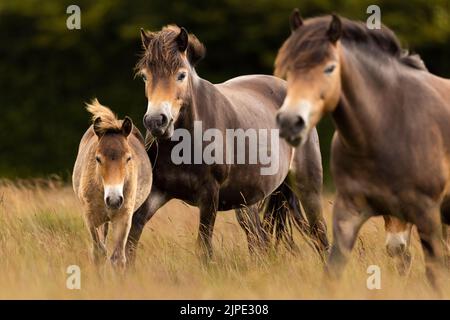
(397, 243)
(113, 196)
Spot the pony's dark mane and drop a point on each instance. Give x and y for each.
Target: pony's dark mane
(309, 44)
(162, 55)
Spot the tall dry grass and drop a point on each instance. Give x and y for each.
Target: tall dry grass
(42, 233)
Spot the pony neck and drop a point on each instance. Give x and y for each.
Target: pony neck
(201, 91)
(189, 112)
(362, 85)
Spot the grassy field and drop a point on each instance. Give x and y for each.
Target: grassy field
(42, 233)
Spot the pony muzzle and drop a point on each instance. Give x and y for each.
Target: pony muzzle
(294, 121)
(292, 127)
(397, 243)
(113, 196)
(159, 121)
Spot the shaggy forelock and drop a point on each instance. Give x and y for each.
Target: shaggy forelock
(109, 121)
(162, 55)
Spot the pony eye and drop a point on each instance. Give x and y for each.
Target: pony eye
(97, 158)
(181, 76)
(128, 159)
(329, 69)
(144, 78)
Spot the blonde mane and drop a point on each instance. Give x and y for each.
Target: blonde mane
(108, 121)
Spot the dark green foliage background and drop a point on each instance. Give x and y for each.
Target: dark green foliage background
(47, 72)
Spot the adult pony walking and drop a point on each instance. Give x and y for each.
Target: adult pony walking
(391, 149)
(112, 177)
(179, 101)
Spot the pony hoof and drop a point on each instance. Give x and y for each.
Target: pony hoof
(404, 264)
(99, 256)
(118, 262)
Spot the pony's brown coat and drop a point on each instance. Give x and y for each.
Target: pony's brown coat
(391, 149)
(244, 102)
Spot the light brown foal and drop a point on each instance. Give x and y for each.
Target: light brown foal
(112, 178)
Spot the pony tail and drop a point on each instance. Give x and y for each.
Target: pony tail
(282, 213)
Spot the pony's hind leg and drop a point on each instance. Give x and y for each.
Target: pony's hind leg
(250, 222)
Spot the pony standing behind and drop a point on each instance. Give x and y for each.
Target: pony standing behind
(112, 177)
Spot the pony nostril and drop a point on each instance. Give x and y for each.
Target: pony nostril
(164, 119)
(396, 249)
(390, 250)
(299, 123)
(155, 122)
(114, 202)
(147, 121)
(278, 119)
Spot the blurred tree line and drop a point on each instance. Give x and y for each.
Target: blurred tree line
(47, 72)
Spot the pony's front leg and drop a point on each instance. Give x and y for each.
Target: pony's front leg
(99, 252)
(208, 212)
(427, 218)
(306, 179)
(120, 229)
(103, 231)
(347, 221)
(155, 200)
(446, 244)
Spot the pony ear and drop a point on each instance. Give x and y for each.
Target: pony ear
(98, 131)
(195, 51)
(127, 126)
(145, 37)
(295, 20)
(182, 40)
(335, 30)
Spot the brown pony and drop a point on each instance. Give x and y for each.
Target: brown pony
(178, 99)
(112, 177)
(391, 149)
